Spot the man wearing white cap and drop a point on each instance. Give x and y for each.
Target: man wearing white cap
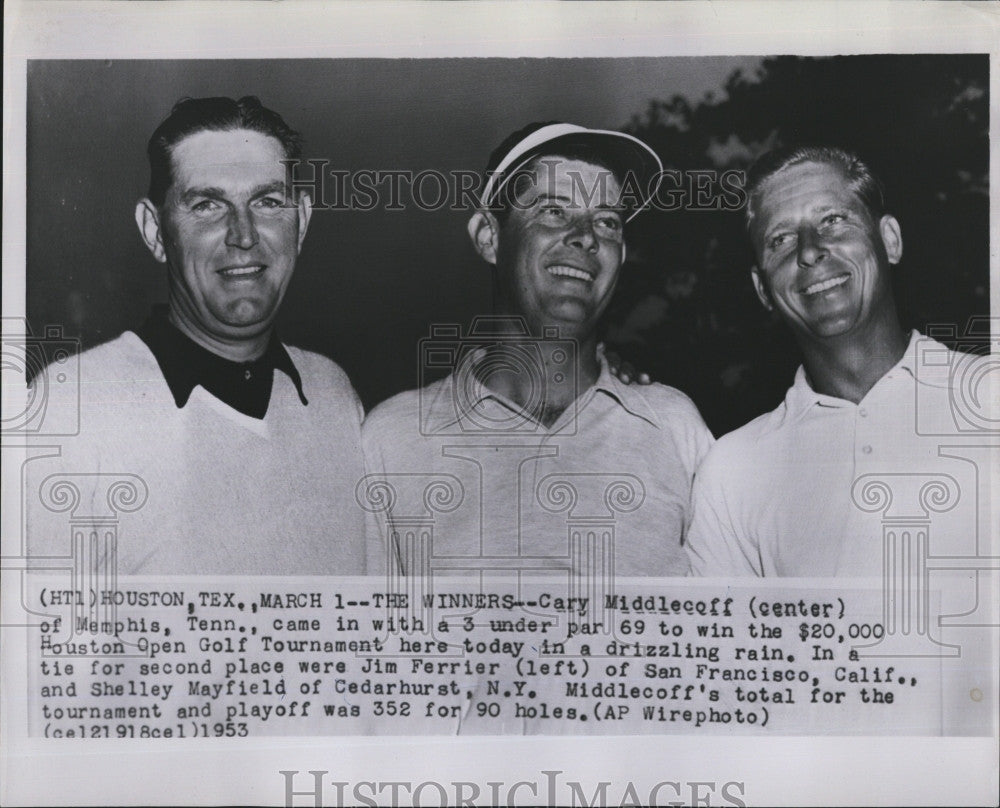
(531, 455)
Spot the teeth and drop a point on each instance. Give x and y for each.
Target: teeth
(236, 271)
(561, 271)
(822, 286)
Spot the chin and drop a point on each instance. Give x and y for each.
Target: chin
(245, 328)
(571, 311)
(833, 323)
(245, 313)
(831, 329)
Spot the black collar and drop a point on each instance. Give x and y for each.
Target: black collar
(244, 386)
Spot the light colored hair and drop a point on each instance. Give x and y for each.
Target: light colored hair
(865, 185)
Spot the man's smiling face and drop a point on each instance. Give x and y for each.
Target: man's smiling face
(822, 258)
(228, 237)
(561, 247)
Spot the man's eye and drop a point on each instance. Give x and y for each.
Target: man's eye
(834, 218)
(270, 202)
(205, 206)
(610, 223)
(553, 212)
(778, 240)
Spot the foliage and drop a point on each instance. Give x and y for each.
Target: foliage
(686, 310)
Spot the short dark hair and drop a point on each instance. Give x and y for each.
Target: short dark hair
(568, 147)
(862, 179)
(219, 114)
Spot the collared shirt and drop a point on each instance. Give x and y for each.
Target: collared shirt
(474, 482)
(807, 489)
(244, 386)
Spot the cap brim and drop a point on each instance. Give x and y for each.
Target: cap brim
(636, 165)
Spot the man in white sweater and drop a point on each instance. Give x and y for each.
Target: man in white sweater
(209, 444)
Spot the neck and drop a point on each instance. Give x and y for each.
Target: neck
(242, 350)
(848, 367)
(559, 379)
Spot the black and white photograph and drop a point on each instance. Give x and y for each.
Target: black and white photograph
(412, 420)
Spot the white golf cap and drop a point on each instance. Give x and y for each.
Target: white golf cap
(624, 154)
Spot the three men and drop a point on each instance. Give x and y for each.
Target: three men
(530, 455)
(795, 492)
(249, 449)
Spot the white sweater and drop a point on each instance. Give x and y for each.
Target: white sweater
(227, 493)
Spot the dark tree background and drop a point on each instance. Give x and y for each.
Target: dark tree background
(686, 310)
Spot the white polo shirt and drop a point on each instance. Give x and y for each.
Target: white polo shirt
(606, 487)
(801, 491)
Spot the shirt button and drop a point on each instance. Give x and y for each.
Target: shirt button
(866, 449)
(863, 412)
(247, 374)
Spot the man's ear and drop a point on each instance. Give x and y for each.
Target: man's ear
(760, 284)
(147, 218)
(484, 230)
(892, 238)
(305, 214)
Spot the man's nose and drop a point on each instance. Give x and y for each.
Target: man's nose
(811, 249)
(581, 234)
(240, 229)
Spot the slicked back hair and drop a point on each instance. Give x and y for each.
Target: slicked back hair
(219, 114)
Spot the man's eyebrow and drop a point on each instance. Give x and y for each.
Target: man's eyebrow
(782, 225)
(269, 188)
(209, 191)
(547, 197)
(819, 209)
(218, 193)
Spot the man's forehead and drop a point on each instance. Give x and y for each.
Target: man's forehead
(807, 179)
(238, 154)
(560, 164)
(805, 186)
(556, 175)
